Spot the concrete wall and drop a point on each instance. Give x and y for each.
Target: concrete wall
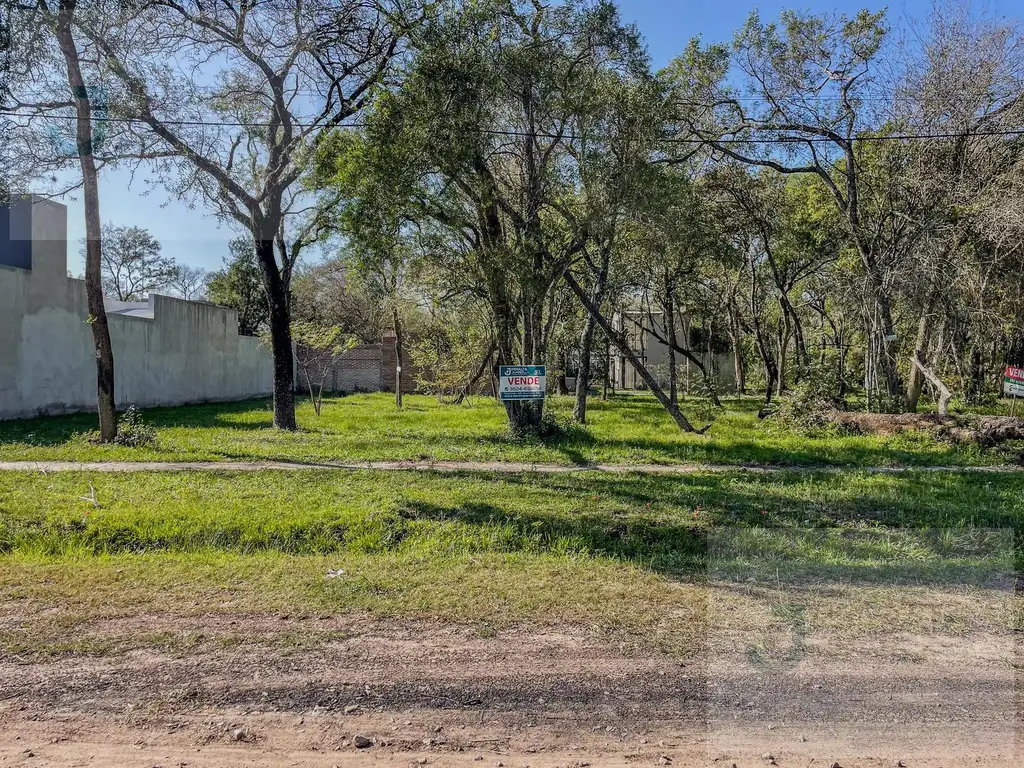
(166, 351)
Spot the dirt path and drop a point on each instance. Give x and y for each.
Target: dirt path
(426, 693)
(465, 466)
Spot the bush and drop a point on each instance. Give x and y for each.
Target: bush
(551, 428)
(133, 431)
(814, 401)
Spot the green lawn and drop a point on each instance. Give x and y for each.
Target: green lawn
(629, 429)
(657, 521)
(629, 555)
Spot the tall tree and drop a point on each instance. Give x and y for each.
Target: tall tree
(253, 87)
(810, 91)
(34, 30)
(479, 151)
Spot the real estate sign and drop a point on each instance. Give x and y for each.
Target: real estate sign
(1013, 381)
(521, 382)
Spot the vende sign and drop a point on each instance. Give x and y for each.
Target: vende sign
(521, 382)
(1013, 381)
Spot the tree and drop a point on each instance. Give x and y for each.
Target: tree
(35, 29)
(962, 82)
(318, 348)
(812, 79)
(238, 284)
(253, 87)
(477, 151)
(334, 292)
(132, 264)
(189, 282)
(378, 244)
(451, 353)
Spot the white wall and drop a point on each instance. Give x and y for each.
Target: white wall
(186, 352)
(656, 357)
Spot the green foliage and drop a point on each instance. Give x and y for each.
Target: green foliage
(317, 348)
(133, 431)
(446, 352)
(321, 339)
(497, 220)
(552, 428)
(815, 398)
(239, 284)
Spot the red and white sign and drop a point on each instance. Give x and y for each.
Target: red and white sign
(1013, 381)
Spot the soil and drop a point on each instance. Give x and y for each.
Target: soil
(427, 693)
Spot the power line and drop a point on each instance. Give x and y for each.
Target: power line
(523, 134)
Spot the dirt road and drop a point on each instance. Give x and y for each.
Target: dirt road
(423, 693)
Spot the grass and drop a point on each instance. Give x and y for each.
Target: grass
(657, 521)
(636, 556)
(60, 600)
(628, 429)
(645, 558)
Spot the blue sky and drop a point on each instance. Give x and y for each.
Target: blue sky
(194, 237)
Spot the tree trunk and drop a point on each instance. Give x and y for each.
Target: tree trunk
(670, 334)
(485, 365)
(915, 382)
(770, 367)
(398, 356)
(771, 373)
(627, 352)
(690, 358)
(579, 411)
(524, 416)
(944, 394)
(735, 341)
(561, 387)
(104, 352)
(280, 335)
(887, 359)
(783, 346)
(977, 384)
(607, 370)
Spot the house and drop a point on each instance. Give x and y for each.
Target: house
(645, 330)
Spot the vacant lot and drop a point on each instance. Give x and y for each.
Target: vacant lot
(630, 429)
(628, 554)
(223, 618)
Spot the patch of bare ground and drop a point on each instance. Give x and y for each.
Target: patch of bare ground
(349, 691)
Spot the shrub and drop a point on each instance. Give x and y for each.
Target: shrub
(814, 401)
(133, 431)
(551, 428)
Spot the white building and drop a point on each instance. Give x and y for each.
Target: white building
(645, 331)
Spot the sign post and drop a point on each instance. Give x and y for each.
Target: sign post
(521, 382)
(1013, 385)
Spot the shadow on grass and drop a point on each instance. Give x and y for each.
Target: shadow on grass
(662, 544)
(915, 528)
(58, 430)
(628, 428)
